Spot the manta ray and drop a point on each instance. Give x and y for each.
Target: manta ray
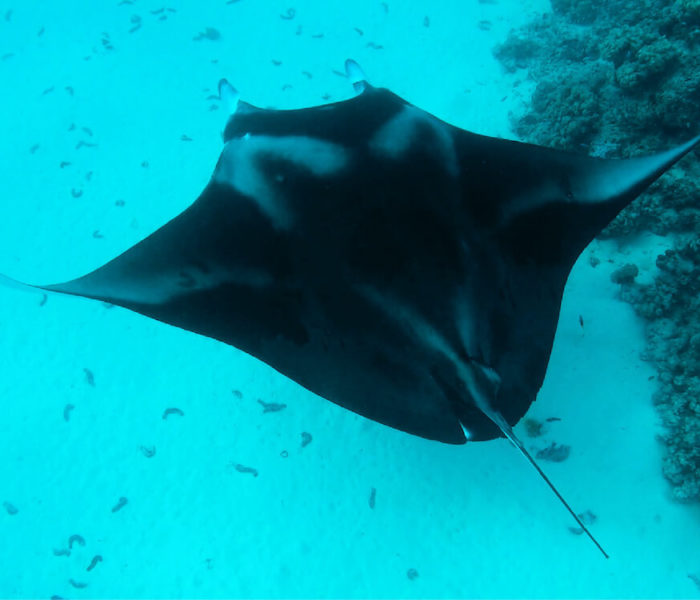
(396, 265)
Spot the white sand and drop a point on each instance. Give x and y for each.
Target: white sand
(473, 521)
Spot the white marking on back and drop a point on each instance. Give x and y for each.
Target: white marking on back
(467, 326)
(399, 135)
(239, 167)
(480, 380)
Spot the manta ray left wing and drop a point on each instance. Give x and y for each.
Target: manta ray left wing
(396, 265)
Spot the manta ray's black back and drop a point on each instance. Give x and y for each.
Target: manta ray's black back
(394, 264)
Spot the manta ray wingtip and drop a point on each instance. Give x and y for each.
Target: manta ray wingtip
(9, 282)
(15, 284)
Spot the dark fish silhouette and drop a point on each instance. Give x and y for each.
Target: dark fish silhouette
(398, 266)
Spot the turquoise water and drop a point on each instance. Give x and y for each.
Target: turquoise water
(106, 133)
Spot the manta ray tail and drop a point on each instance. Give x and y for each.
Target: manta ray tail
(507, 430)
(510, 434)
(483, 383)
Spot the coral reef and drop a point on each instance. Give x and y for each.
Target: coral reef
(619, 78)
(625, 275)
(671, 306)
(533, 427)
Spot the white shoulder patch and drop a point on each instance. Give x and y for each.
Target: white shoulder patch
(240, 167)
(396, 137)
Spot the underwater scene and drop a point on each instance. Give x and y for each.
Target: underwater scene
(295, 295)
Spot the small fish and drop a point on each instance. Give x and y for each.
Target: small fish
(208, 34)
(271, 406)
(10, 508)
(243, 469)
(93, 563)
(172, 411)
(89, 377)
(587, 518)
(121, 503)
(289, 15)
(75, 539)
(148, 451)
